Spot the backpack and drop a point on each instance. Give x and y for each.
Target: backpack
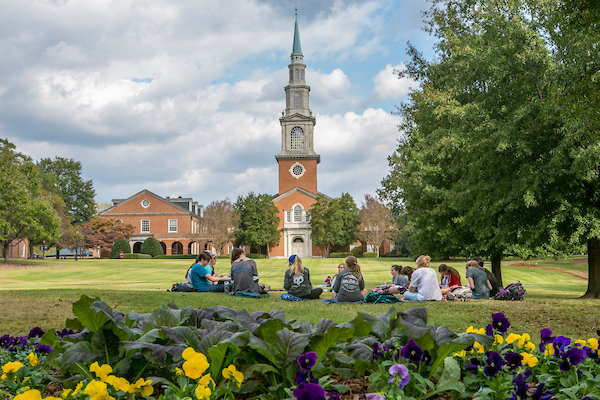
(376, 297)
(459, 293)
(289, 297)
(241, 293)
(182, 287)
(514, 291)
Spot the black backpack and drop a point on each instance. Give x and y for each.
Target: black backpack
(514, 291)
(374, 297)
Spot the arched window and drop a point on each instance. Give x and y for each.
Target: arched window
(297, 100)
(297, 138)
(296, 75)
(291, 74)
(298, 213)
(302, 74)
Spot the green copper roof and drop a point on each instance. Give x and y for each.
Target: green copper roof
(296, 49)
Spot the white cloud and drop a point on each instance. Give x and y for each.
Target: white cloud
(388, 86)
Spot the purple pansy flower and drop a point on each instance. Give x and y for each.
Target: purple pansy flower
(42, 348)
(377, 353)
(521, 387)
(546, 338)
(65, 332)
(412, 352)
(494, 364)
(36, 332)
(559, 344)
(308, 360)
(374, 396)
(500, 322)
(540, 394)
(513, 360)
(574, 356)
(332, 396)
(309, 391)
(402, 371)
(489, 330)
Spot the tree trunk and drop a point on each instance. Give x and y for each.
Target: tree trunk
(377, 251)
(5, 253)
(496, 267)
(593, 290)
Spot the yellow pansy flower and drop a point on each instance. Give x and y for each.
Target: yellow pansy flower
(97, 391)
(121, 384)
(513, 337)
(179, 372)
(101, 371)
(196, 363)
(498, 339)
(461, 353)
(233, 374)
(29, 395)
(33, 359)
(477, 346)
(593, 343)
(473, 330)
(202, 392)
(549, 350)
(529, 359)
(13, 366)
(144, 386)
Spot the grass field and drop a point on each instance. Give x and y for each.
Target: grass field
(40, 293)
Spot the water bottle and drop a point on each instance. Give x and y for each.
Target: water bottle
(227, 287)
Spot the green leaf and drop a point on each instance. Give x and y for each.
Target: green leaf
(321, 343)
(288, 346)
(88, 317)
(450, 373)
(80, 351)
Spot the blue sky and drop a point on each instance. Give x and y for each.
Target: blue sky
(184, 98)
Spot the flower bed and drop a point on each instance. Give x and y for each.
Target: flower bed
(220, 352)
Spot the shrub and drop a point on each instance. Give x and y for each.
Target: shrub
(256, 256)
(391, 254)
(357, 252)
(151, 246)
(340, 255)
(369, 255)
(120, 246)
(177, 256)
(224, 257)
(135, 256)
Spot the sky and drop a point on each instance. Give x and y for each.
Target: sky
(183, 98)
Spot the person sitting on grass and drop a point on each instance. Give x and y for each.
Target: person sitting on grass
(478, 281)
(244, 273)
(350, 285)
(490, 275)
(407, 272)
(340, 268)
(398, 280)
(201, 275)
(450, 278)
(423, 283)
(297, 280)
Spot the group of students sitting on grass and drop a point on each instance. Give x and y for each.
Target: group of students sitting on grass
(348, 285)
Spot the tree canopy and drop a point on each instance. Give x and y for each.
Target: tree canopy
(104, 232)
(25, 210)
(77, 193)
(376, 222)
(220, 218)
(335, 222)
(258, 221)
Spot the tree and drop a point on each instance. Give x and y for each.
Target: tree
(120, 246)
(25, 210)
(103, 232)
(151, 246)
(572, 169)
(476, 132)
(77, 193)
(220, 219)
(258, 221)
(376, 222)
(335, 222)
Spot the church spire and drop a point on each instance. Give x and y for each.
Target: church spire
(296, 48)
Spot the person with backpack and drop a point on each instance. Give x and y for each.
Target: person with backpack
(349, 284)
(423, 283)
(201, 275)
(478, 281)
(297, 280)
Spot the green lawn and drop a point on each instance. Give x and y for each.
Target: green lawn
(41, 292)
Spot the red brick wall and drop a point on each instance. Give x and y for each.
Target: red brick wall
(308, 181)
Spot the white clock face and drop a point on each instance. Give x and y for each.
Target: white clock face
(297, 170)
(145, 203)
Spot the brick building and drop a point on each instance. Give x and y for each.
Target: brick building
(174, 221)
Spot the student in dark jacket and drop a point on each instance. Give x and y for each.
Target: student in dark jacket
(297, 280)
(243, 273)
(491, 277)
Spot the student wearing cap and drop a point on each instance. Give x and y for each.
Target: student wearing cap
(297, 280)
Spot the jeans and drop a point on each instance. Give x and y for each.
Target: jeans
(411, 296)
(219, 287)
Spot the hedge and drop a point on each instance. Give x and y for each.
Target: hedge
(340, 255)
(369, 255)
(256, 256)
(120, 246)
(136, 256)
(178, 256)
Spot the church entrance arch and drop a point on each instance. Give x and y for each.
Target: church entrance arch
(137, 247)
(164, 247)
(298, 247)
